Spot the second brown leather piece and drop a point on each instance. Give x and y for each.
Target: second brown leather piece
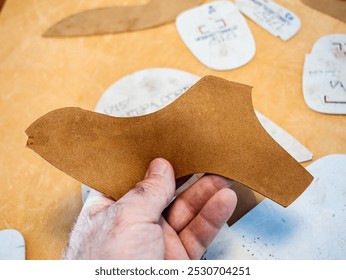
(120, 19)
(334, 8)
(212, 128)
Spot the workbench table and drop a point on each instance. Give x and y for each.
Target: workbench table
(40, 74)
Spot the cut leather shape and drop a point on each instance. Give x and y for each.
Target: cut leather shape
(120, 19)
(334, 8)
(212, 128)
(149, 90)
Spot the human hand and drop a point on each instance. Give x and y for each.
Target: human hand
(141, 226)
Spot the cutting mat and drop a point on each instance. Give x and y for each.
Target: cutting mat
(39, 74)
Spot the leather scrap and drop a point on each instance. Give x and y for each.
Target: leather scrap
(212, 128)
(120, 19)
(334, 8)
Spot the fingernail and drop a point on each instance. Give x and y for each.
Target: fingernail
(157, 167)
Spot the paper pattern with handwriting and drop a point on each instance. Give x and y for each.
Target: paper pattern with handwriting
(324, 76)
(274, 18)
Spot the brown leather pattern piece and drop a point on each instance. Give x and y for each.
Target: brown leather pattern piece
(212, 128)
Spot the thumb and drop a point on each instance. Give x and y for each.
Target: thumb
(151, 196)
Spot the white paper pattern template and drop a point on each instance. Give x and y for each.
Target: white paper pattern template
(272, 17)
(217, 34)
(312, 227)
(324, 75)
(12, 245)
(149, 90)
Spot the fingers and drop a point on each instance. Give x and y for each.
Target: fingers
(189, 203)
(174, 249)
(200, 232)
(95, 203)
(146, 201)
